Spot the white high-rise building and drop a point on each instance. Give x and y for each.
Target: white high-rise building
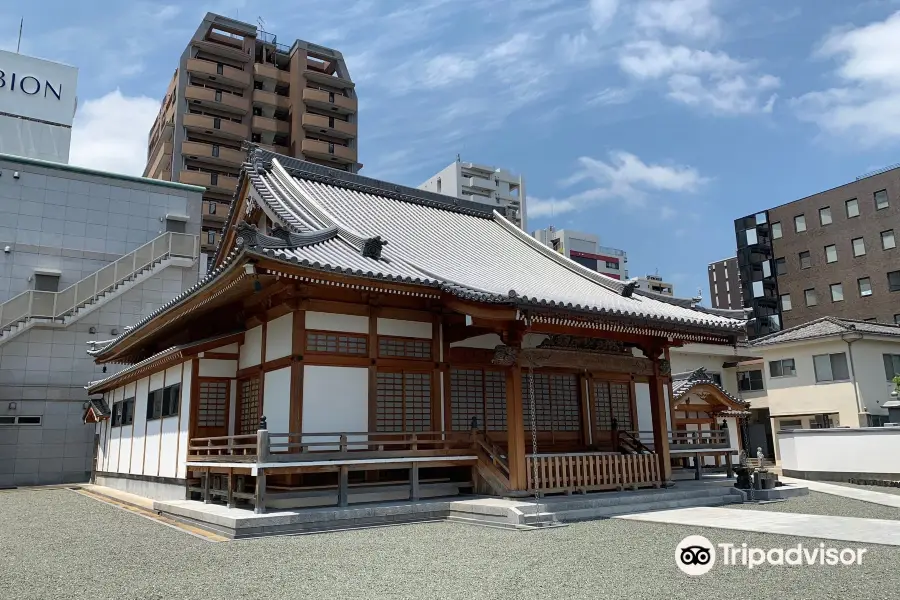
(37, 106)
(484, 184)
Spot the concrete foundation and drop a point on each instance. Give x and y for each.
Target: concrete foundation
(154, 489)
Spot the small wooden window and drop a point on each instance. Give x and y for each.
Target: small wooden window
(249, 406)
(404, 348)
(324, 342)
(213, 407)
(480, 394)
(403, 401)
(612, 400)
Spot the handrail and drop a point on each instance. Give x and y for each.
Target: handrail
(57, 305)
(493, 452)
(701, 437)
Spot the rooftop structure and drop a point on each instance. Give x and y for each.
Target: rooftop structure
(496, 188)
(655, 283)
(585, 249)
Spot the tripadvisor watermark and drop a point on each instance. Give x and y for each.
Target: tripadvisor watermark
(696, 555)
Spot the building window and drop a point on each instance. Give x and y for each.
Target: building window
(212, 410)
(825, 215)
(122, 413)
(750, 381)
(800, 223)
(557, 405)
(403, 401)
(404, 348)
(757, 287)
(164, 402)
(785, 302)
(776, 230)
(859, 246)
(810, 295)
(154, 404)
(218, 96)
(612, 402)
(881, 199)
(20, 420)
(894, 281)
(439, 185)
(175, 226)
(477, 399)
(780, 266)
(45, 282)
(805, 260)
(212, 208)
(831, 253)
(831, 367)
(782, 368)
(837, 292)
(789, 424)
(322, 342)
(865, 286)
(211, 236)
(887, 240)
(852, 208)
(717, 377)
(612, 265)
(751, 236)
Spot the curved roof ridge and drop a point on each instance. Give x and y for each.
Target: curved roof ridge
(607, 282)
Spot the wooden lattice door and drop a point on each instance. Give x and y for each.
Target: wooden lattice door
(210, 418)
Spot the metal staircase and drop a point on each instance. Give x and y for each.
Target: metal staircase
(34, 308)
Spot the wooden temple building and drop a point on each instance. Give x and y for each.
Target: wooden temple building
(357, 336)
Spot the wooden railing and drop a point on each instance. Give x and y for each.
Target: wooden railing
(264, 446)
(710, 439)
(585, 472)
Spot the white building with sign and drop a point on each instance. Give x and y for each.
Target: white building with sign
(37, 106)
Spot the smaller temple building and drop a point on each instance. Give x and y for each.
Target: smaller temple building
(356, 339)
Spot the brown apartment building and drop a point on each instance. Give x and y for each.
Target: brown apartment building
(236, 83)
(831, 254)
(725, 284)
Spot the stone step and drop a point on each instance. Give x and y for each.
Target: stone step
(605, 499)
(600, 512)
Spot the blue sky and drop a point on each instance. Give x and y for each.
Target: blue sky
(651, 123)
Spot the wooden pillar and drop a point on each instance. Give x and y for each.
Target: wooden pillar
(230, 497)
(660, 427)
(414, 482)
(515, 425)
(343, 485)
(260, 495)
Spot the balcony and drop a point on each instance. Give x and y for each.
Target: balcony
(330, 101)
(219, 73)
(216, 126)
(328, 151)
(267, 125)
(329, 126)
(479, 183)
(217, 99)
(212, 153)
(209, 239)
(264, 71)
(276, 149)
(215, 212)
(161, 161)
(329, 80)
(270, 99)
(222, 184)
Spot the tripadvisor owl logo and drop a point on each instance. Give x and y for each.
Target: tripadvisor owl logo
(695, 555)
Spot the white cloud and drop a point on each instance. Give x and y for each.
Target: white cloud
(686, 18)
(110, 133)
(867, 106)
(447, 69)
(602, 13)
(623, 177)
(712, 81)
(609, 96)
(652, 59)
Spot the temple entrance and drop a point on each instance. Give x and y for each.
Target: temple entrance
(210, 413)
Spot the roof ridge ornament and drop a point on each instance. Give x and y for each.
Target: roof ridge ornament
(371, 247)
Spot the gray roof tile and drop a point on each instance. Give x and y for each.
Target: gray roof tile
(826, 327)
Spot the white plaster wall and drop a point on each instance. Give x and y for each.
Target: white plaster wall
(861, 450)
(169, 429)
(489, 341)
(140, 422)
(125, 441)
(100, 428)
(218, 368)
(396, 327)
(185, 423)
(336, 322)
(642, 402)
(279, 337)
(251, 349)
(277, 400)
(335, 399)
(230, 348)
(156, 381)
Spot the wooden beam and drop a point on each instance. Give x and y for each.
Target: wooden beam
(482, 311)
(458, 333)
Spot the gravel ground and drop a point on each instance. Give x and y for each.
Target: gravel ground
(818, 503)
(58, 544)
